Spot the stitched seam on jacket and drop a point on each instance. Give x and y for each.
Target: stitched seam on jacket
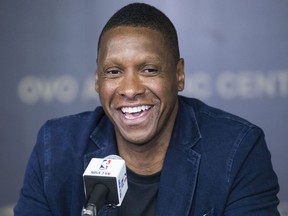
(234, 151)
(47, 155)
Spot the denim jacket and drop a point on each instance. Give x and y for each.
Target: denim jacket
(216, 164)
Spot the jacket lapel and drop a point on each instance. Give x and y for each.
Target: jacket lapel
(103, 144)
(103, 139)
(180, 170)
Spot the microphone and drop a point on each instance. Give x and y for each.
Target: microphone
(105, 182)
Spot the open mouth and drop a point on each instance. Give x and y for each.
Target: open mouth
(135, 112)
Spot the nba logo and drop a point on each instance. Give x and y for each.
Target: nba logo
(105, 164)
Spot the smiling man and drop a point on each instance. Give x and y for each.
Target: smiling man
(138, 88)
(184, 158)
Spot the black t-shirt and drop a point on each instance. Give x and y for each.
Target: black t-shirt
(141, 196)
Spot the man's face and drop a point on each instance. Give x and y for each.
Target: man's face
(138, 81)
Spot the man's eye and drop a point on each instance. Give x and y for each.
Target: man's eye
(113, 72)
(150, 71)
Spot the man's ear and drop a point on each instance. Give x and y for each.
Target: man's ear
(180, 74)
(96, 82)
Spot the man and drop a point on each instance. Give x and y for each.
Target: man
(183, 157)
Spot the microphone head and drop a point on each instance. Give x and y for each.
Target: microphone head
(109, 171)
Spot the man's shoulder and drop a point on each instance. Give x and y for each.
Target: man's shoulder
(82, 117)
(70, 133)
(218, 123)
(204, 111)
(81, 123)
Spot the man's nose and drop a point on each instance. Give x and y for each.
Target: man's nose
(131, 85)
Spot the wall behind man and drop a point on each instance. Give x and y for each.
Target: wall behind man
(236, 58)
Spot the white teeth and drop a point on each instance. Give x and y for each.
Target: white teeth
(134, 109)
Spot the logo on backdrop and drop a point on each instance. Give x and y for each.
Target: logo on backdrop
(238, 85)
(227, 85)
(63, 89)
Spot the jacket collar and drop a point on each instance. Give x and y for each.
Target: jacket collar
(180, 170)
(186, 126)
(103, 138)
